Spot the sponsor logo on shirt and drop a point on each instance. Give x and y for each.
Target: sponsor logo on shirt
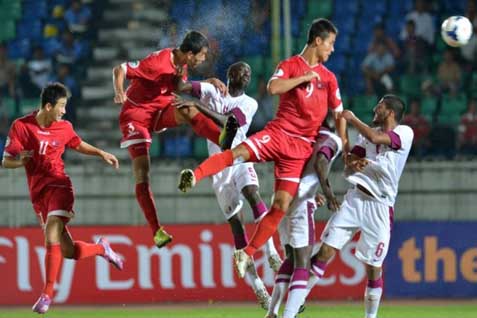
(41, 132)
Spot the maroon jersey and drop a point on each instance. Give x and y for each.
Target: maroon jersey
(302, 109)
(46, 167)
(152, 81)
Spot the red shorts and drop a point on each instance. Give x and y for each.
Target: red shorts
(289, 153)
(137, 126)
(55, 200)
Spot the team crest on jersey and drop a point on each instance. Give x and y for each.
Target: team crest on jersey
(55, 143)
(134, 64)
(279, 72)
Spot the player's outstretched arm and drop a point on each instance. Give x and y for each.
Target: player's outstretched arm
(340, 124)
(322, 168)
(20, 161)
(88, 149)
(186, 86)
(373, 135)
(118, 84)
(189, 101)
(277, 86)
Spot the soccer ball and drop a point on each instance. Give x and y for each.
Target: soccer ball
(456, 31)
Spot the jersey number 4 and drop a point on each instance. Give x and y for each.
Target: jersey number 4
(43, 146)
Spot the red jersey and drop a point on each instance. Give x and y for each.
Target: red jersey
(46, 167)
(302, 109)
(152, 81)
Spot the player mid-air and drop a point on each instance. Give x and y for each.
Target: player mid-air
(307, 91)
(146, 107)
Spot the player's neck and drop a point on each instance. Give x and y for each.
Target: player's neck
(234, 92)
(42, 119)
(388, 125)
(309, 55)
(178, 58)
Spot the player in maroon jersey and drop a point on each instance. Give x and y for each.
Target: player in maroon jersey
(307, 90)
(147, 108)
(37, 141)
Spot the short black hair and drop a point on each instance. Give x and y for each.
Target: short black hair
(320, 28)
(194, 41)
(396, 104)
(52, 92)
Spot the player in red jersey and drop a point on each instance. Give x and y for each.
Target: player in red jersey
(147, 108)
(307, 90)
(37, 141)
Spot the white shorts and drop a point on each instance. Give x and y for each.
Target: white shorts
(228, 185)
(360, 212)
(297, 228)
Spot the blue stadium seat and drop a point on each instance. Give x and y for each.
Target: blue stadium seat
(336, 63)
(177, 146)
(19, 49)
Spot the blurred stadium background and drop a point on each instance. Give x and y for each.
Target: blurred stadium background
(434, 247)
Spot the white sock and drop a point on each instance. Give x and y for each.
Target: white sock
(372, 297)
(311, 283)
(279, 291)
(270, 247)
(296, 292)
(255, 280)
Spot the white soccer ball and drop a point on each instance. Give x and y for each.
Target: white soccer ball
(456, 31)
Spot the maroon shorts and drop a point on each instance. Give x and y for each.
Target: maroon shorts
(55, 200)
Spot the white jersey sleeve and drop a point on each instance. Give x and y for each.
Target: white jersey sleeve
(211, 96)
(386, 163)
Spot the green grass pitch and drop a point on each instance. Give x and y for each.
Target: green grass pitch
(392, 309)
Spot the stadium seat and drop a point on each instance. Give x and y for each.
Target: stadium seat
(364, 103)
(322, 8)
(256, 64)
(10, 107)
(10, 10)
(200, 150)
(155, 150)
(7, 30)
(428, 107)
(410, 84)
(27, 105)
(177, 146)
(453, 105)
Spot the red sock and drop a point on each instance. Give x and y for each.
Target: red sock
(205, 127)
(214, 164)
(53, 260)
(264, 230)
(84, 250)
(148, 206)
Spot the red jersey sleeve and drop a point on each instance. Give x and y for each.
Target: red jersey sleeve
(283, 70)
(14, 142)
(149, 68)
(72, 140)
(334, 96)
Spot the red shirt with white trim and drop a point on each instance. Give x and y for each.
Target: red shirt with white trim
(46, 167)
(152, 81)
(302, 109)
